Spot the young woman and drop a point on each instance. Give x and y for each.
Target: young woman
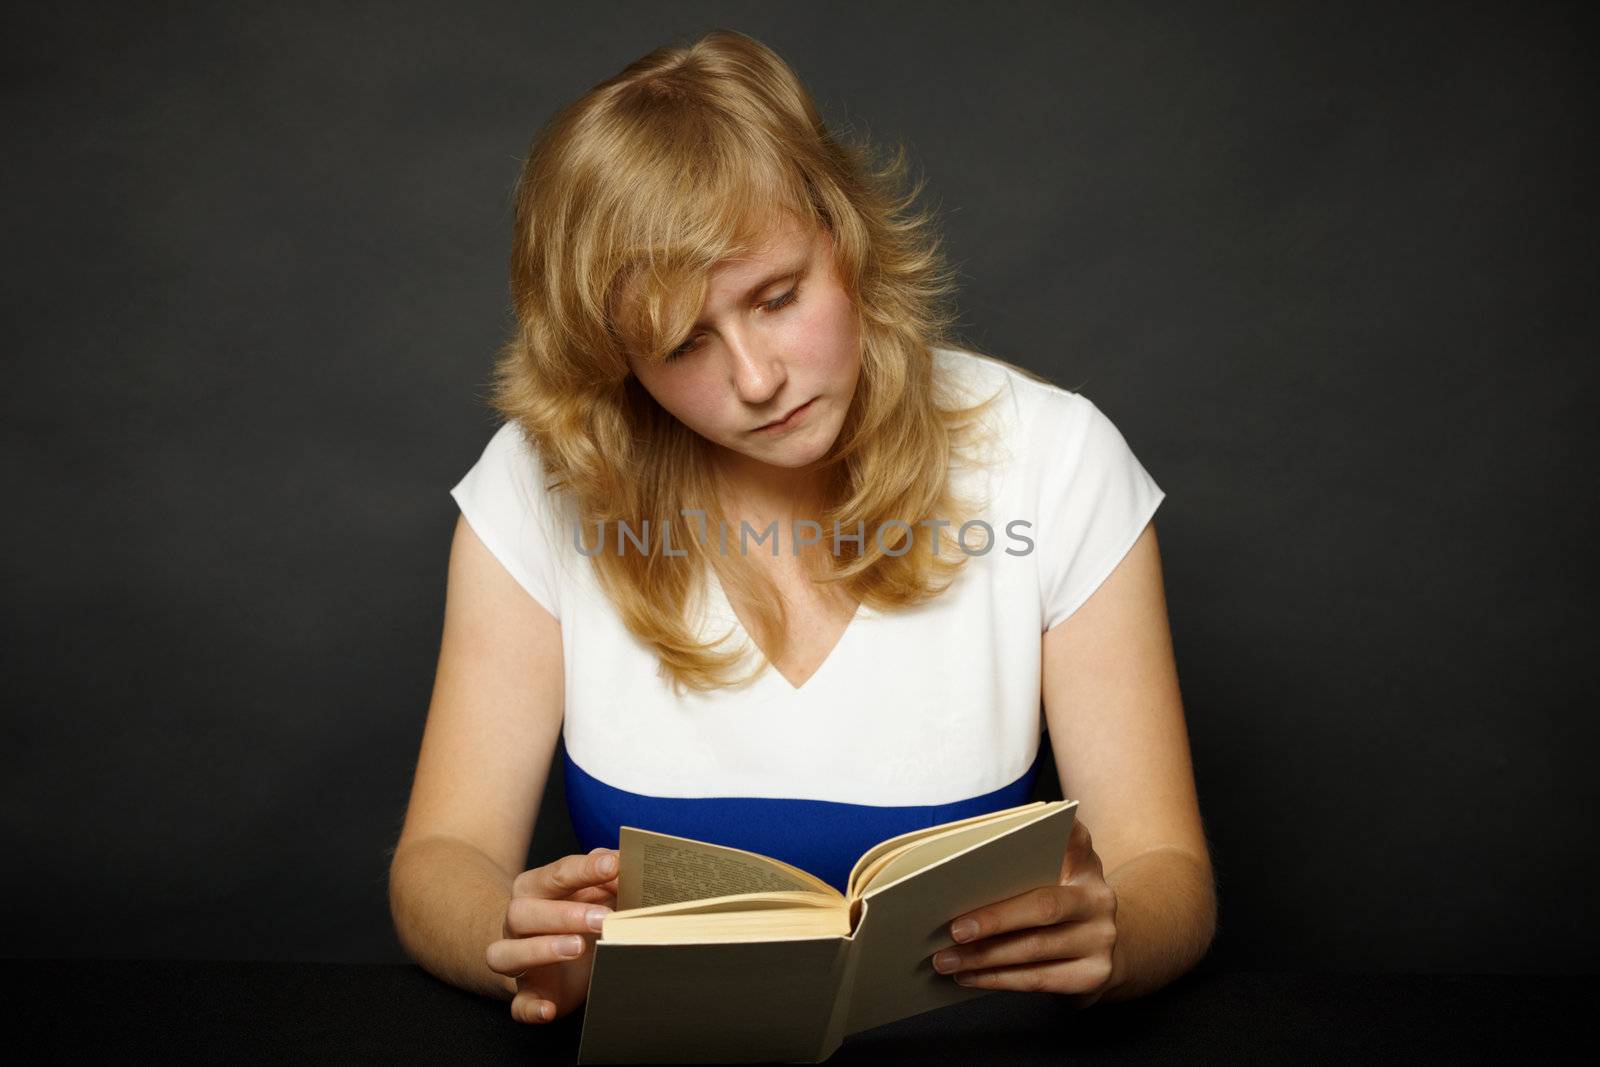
(787, 568)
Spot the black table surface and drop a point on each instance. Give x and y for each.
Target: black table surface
(213, 1012)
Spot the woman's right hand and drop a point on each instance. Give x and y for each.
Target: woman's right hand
(550, 905)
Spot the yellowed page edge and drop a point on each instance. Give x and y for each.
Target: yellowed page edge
(852, 884)
(734, 923)
(737, 902)
(952, 849)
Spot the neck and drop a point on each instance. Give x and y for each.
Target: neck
(750, 487)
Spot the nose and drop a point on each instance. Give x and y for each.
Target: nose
(758, 372)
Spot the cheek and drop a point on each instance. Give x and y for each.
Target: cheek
(696, 402)
(829, 335)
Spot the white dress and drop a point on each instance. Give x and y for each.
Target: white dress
(916, 717)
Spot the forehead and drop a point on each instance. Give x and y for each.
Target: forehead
(776, 242)
(762, 244)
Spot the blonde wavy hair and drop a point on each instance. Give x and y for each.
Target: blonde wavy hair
(627, 200)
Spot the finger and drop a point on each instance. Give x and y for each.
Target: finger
(1088, 975)
(536, 915)
(606, 891)
(608, 900)
(567, 874)
(1044, 906)
(532, 1008)
(1066, 941)
(1080, 854)
(517, 955)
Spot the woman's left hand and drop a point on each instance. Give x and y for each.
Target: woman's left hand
(1054, 939)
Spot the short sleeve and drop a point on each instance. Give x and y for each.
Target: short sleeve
(504, 499)
(1095, 499)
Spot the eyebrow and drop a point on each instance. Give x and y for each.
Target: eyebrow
(777, 276)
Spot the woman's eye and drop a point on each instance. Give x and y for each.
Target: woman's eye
(782, 301)
(771, 305)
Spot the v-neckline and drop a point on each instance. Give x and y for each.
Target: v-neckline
(738, 623)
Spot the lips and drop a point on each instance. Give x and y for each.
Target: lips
(791, 414)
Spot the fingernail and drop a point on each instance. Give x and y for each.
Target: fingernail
(945, 961)
(570, 946)
(546, 1010)
(965, 930)
(608, 865)
(597, 918)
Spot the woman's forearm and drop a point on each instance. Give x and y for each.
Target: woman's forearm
(448, 901)
(1166, 918)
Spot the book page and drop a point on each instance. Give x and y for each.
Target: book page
(750, 917)
(905, 921)
(767, 900)
(925, 852)
(869, 859)
(664, 869)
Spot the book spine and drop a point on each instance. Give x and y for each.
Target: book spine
(839, 1019)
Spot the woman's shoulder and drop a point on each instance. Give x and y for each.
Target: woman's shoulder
(511, 465)
(512, 476)
(1025, 405)
(503, 497)
(511, 447)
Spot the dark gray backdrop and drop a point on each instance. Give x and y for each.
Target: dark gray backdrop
(1329, 269)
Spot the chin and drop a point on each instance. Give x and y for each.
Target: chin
(802, 458)
(790, 455)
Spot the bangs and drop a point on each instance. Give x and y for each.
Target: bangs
(697, 206)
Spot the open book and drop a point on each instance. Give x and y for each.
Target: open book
(718, 954)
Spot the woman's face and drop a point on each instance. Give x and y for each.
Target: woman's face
(777, 333)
